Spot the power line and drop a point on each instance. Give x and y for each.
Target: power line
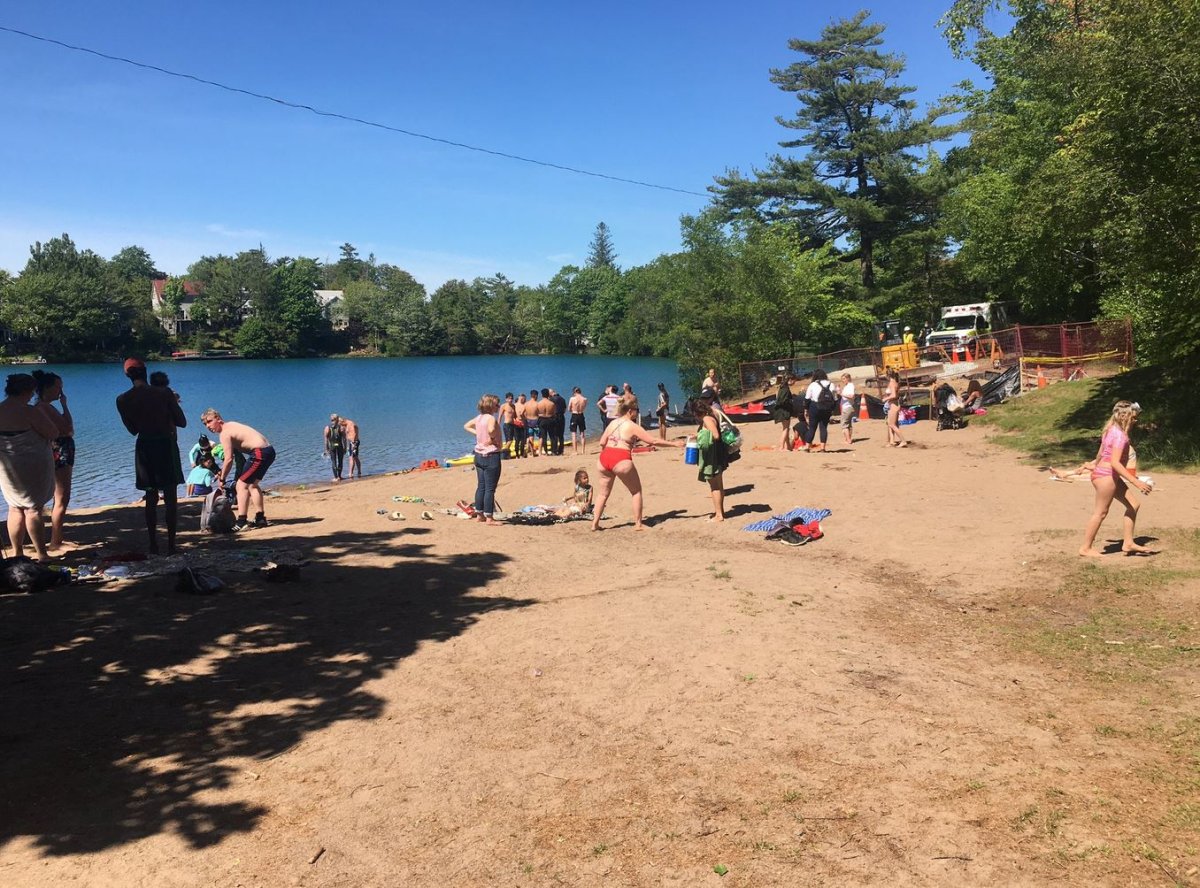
(346, 117)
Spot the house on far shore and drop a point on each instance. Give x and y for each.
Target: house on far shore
(333, 306)
(179, 324)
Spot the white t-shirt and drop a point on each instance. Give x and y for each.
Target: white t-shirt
(848, 396)
(610, 405)
(814, 389)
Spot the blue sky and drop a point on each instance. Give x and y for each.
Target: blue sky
(670, 93)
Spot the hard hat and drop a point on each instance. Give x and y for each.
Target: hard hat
(908, 329)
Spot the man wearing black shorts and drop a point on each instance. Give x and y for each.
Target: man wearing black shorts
(153, 414)
(251, 444)
(560, 422)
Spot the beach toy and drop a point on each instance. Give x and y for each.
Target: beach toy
(691, 453)
(1146, 479)
(467, 460)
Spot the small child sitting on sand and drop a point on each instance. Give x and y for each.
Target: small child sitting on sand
(580, 501)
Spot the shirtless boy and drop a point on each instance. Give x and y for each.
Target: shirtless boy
(545, 412)
(237, 437)
(506, 415)
(576, 407)
(531, 423)
(353, 443)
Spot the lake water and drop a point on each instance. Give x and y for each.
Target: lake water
(408, 409)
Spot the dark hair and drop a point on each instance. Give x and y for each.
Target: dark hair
(508, 395)
(974, 386)
(661, 387)
(134, 373)
(533, 393)
(159, 379)
(43, 379)
(577, 391)
(893, 373)
(702, 407)
(545, 393)
(819, 375)
(19, 384)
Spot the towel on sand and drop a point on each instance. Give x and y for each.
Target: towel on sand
(807, 515)
(26, 469)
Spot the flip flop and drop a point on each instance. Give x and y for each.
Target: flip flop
(396, 516)
(466, 508)
(428, 516)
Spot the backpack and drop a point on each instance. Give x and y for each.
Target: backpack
(216, 516)
(825, 397)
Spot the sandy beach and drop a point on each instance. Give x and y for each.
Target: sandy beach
(938, 691)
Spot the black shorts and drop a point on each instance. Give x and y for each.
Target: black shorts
(578, 422)
(156, 463)
(258, 461)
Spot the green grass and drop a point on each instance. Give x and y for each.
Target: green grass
(1061, 424)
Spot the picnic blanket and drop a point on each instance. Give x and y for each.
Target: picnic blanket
(805, 515)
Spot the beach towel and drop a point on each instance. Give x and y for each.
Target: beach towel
(805, 515)
(26, 469)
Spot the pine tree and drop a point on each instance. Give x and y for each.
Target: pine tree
(601, 253)
(858, 127)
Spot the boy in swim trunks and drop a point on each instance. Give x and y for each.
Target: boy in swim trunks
(239, 438)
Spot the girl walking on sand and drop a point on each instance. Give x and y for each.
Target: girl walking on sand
(1112, 479)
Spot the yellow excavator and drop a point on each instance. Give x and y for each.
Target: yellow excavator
(893, 351)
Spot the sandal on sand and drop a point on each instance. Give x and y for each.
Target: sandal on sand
(466, 508)
(428, 516)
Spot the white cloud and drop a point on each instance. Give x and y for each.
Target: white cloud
(241, 234)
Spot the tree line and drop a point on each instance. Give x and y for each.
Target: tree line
(1072, 191)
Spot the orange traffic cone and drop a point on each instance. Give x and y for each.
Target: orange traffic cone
(968, 354)
(1041, 379)
(953, 356)
(862, 409)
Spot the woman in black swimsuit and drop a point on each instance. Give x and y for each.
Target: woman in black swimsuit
(49, 390)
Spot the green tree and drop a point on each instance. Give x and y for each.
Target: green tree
(601, 253)
(859, 130)
(455, 307)
(134, 263)
(61, 301)
(1084, 164)
(296, 315)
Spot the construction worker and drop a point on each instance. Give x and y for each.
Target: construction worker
(909, 338)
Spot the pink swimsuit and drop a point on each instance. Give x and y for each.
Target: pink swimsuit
(1114, 441)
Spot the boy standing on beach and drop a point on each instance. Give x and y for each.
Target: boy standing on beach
(237, 437)
(153, 414)
(353, 445)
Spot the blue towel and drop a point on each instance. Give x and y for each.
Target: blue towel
(774, 521)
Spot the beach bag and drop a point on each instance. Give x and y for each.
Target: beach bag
(730, 434)
(908, 415)
(953, 404)
(216, 516)
(825, 397)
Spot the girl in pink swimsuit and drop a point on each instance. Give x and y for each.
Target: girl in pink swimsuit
(616, 458)
(1112, 479)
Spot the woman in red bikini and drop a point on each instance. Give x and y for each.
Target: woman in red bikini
(616, 458)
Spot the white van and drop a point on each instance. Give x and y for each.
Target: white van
(962, 325)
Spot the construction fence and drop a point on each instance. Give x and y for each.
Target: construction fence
(1045, 353)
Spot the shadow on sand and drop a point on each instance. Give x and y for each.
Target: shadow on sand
(125, 703)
